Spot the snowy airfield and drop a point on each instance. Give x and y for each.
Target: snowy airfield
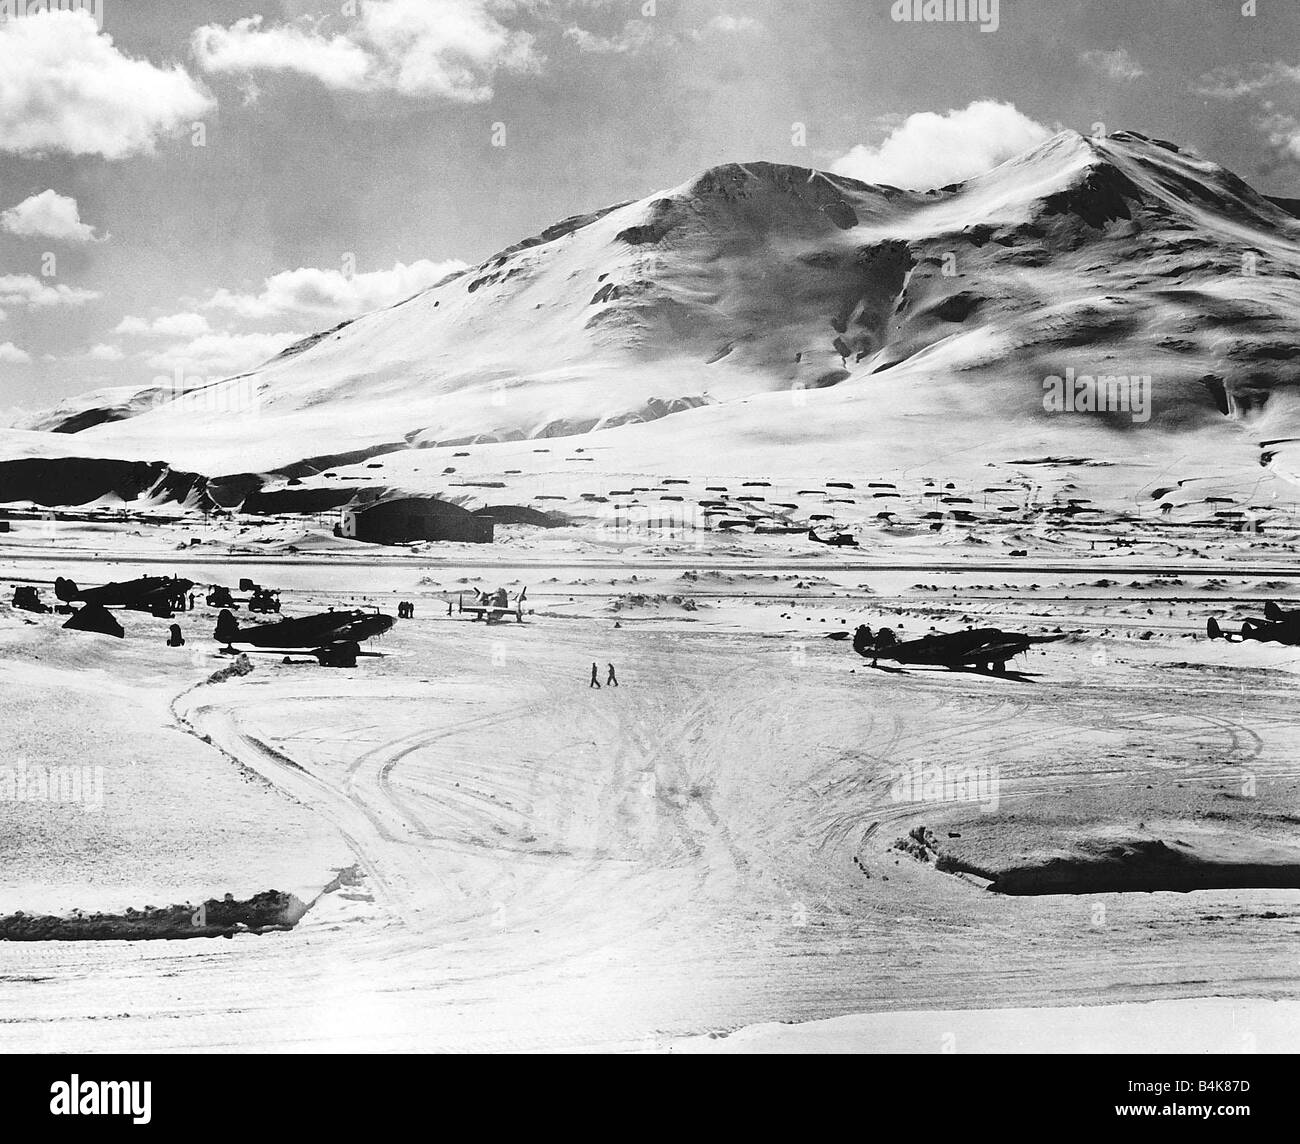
(496, 856)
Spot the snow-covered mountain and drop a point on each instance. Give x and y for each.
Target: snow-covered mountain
(768, 307)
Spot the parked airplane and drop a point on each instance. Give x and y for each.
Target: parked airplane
(839, 540)
(161, 595)
(492, 606)
(334, 638)
(981, 649)
(1280, 627)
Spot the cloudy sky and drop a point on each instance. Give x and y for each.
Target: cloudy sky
(188, 185)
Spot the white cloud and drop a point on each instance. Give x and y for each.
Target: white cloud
(1118, 65)
(246, 46)
(26, 290)
(310, 291)
(1282, 132)
(10, 354)
(449, 49)
(1232, 82)
(104, 352)
(1276, 83)
(220, 354)
(636, 35)
(930, 150)
(47, 215)
(726, 23)
(185, 325)
(64, 87)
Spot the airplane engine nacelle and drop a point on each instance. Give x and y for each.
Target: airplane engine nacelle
(227, 628)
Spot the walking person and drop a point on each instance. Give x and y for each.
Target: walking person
(612, 681)
(594, 681)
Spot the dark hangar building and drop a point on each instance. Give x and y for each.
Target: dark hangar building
(404, 519)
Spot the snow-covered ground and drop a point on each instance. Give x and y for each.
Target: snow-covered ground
(1204, 1025)
(708, 847)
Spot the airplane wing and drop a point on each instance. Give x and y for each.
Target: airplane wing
(996, 652)
(963, 648)
(1001, 650)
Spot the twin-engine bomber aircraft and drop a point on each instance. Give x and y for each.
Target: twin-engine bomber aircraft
(984, 649)
(332, 637)
(1278, 626)
(160, 595)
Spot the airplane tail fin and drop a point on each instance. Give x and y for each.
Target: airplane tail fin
(1212, 629)
(227, 629)
(66, 590)
(1273, 612)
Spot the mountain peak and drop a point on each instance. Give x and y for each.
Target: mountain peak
(757, 277)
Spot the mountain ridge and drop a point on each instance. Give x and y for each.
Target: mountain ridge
(756, 279)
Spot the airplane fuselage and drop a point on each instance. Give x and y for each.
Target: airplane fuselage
(143, 594)
(306, 631)
(983, 647)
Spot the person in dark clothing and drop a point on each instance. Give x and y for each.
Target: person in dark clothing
(612, 681)
(595, 682)
(176, 639)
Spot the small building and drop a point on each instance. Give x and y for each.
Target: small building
(404, 519)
